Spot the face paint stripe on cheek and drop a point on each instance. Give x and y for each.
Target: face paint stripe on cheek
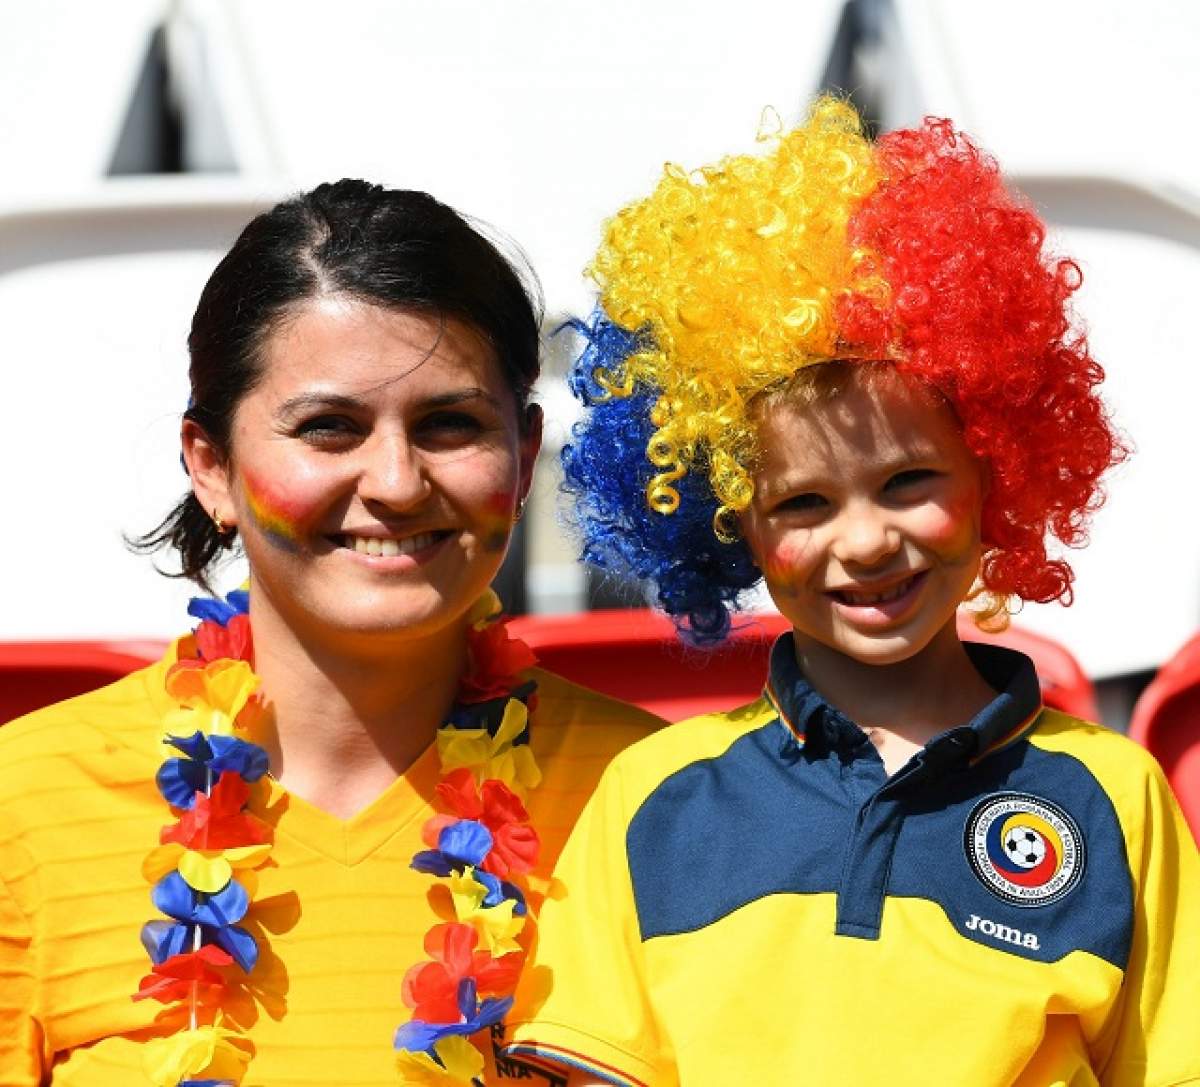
(271, 513)
(780, 568)
(496, 522)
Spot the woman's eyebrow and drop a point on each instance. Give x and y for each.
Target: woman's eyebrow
(459, 396)
(306, 402)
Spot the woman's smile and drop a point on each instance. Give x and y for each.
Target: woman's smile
(417, 548)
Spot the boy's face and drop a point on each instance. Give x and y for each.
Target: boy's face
(865, 519)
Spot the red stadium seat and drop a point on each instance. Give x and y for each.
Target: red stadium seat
(635, 655)
(35, 674)
(1166, 721)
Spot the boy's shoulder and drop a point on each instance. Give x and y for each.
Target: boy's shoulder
(1099, 747)
(1124, 770)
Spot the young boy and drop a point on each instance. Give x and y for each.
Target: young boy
(850, 367)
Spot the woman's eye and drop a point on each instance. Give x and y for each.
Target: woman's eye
(910, 478)
(450, 426)
(803, 503)
(327, 428)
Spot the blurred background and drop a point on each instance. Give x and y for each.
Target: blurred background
(138, 137)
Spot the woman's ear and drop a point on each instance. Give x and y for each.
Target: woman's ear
(531, 443)
(208, 469)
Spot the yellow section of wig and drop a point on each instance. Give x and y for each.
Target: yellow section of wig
(734, 269)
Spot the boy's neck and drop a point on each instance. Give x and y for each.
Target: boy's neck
(900, 706)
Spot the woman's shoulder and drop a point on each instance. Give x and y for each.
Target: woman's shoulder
(563, 703)
(644, 766)
(89, 728)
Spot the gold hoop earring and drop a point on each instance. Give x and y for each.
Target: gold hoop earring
(222, 528)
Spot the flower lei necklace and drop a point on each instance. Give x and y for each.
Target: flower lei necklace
(204, 870)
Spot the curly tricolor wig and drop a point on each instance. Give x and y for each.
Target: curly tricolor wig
(727, 280)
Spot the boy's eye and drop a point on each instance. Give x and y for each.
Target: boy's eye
(808, 502)
(909, 478)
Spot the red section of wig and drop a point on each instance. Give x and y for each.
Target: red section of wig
(980, 312)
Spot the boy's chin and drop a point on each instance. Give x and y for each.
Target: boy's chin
(883, 648)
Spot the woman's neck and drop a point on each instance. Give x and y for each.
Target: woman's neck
(348, 716)
(900, 706)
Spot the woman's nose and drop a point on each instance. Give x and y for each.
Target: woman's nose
(393, 474)
(865, 535)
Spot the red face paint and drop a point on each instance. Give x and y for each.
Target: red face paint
(497, 521)
(277, 516)
(780, 567)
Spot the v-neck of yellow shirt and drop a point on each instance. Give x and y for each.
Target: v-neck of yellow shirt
(345, 841)
(350, 841)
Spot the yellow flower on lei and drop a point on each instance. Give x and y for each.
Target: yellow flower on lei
(462, 1062)
(210, 698)
(496, 924)
(206, 870)
(485, 609)
(492, 757)
(200, 1053)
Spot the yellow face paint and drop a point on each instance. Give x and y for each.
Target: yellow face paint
(276, 517)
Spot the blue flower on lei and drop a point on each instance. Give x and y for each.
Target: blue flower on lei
(207, 758)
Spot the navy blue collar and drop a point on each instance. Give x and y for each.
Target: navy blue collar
(822, 727)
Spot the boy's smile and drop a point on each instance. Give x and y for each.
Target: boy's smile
(865, 519)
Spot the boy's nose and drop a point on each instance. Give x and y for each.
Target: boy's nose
(865, 536)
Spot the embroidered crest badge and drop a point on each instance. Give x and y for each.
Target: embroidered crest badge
(1025, 850)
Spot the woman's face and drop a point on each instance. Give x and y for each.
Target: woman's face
(374, 470)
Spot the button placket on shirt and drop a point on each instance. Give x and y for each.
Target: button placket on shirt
(877, 826)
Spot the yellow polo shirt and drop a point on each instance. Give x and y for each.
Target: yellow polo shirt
(749, 899)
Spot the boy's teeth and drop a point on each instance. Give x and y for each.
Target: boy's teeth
(372, 545)
(878, 598)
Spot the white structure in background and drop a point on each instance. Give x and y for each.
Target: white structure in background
(1085, 104)
(530, 116)
(541, 117)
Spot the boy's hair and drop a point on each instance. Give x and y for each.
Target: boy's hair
(725, 282)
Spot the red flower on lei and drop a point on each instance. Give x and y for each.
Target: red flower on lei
(494, 658)
(431, 988)
(515, 843)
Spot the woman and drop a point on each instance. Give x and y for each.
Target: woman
(326, 810)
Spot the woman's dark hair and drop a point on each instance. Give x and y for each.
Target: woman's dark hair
(393, 248)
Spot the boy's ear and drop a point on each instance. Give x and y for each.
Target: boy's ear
(985, 477)
(209, 471)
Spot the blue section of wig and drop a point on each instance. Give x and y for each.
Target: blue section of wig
(694, 577)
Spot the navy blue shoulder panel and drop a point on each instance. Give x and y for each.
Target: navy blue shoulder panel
(725, 831)
(765, 818)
